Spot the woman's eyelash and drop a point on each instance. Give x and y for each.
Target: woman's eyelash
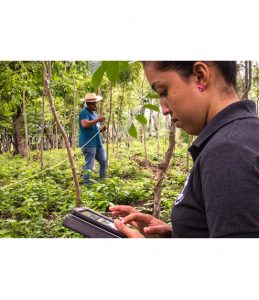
(163, 94)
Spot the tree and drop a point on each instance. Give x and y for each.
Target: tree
(162, 171)
(27, 149)
(18, 89)
(248, 79)
(47, 77)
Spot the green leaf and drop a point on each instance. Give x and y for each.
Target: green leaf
(123, 65)
(25, 222)
(133, 131)
(142, 119)
(152, 96)
(98, 76)
(100, 188)
(152, 107)
(112, 70)
(4, 231)
(11, 221)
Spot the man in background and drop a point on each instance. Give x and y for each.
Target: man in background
(90, 140)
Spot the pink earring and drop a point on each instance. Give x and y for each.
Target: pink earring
(201, 87)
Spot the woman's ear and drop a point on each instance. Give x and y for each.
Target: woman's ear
(201, 73)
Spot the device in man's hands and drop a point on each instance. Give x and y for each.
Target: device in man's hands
(91, 224)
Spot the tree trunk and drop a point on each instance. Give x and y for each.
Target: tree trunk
(100, 103)
(74, 116)
(119, 120)
(42, 133)
(51, 102)
(143, 112)
(18, 138)
(26, 148)
(145, 141)
(150, 124)
(47, 143)
(1, 143)
(4, 141)
(108, 125)
(64, 118)
(52, 137)
(113, 133)
(248, 79)
(56, 135)
(162, 171)
(158, 132)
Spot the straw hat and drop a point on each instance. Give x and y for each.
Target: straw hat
(91, 98)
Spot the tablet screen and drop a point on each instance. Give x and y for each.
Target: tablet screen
(98, 219)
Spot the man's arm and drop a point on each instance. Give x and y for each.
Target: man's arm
(89, 123)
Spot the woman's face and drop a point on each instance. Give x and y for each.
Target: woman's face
(180, 97)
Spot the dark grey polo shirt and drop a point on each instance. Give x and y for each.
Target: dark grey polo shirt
(221, 195)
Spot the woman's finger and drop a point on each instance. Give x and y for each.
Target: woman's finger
(130, 233)
(159, 230)
(137, 217)
(122, 210)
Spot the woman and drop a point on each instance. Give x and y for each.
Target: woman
(221, 194)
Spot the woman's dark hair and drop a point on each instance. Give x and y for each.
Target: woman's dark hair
(228, 69)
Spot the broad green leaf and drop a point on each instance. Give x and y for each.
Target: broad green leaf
(123, 65)
(112, 70)
(152, 96)
(152, 107)
(98, 76)
(133, 131)
(142, 119)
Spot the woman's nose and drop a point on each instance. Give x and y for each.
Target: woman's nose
(165, 108)
(166, 111)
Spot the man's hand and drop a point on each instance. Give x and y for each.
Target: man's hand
(89, 123)
(147, 225)
(101, 119)
(102, 128)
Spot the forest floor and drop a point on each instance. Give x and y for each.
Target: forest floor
(36, 206)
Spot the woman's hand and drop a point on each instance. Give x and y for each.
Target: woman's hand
(122, 210)
(147, 225)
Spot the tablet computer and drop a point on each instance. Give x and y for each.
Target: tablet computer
(91, 224)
